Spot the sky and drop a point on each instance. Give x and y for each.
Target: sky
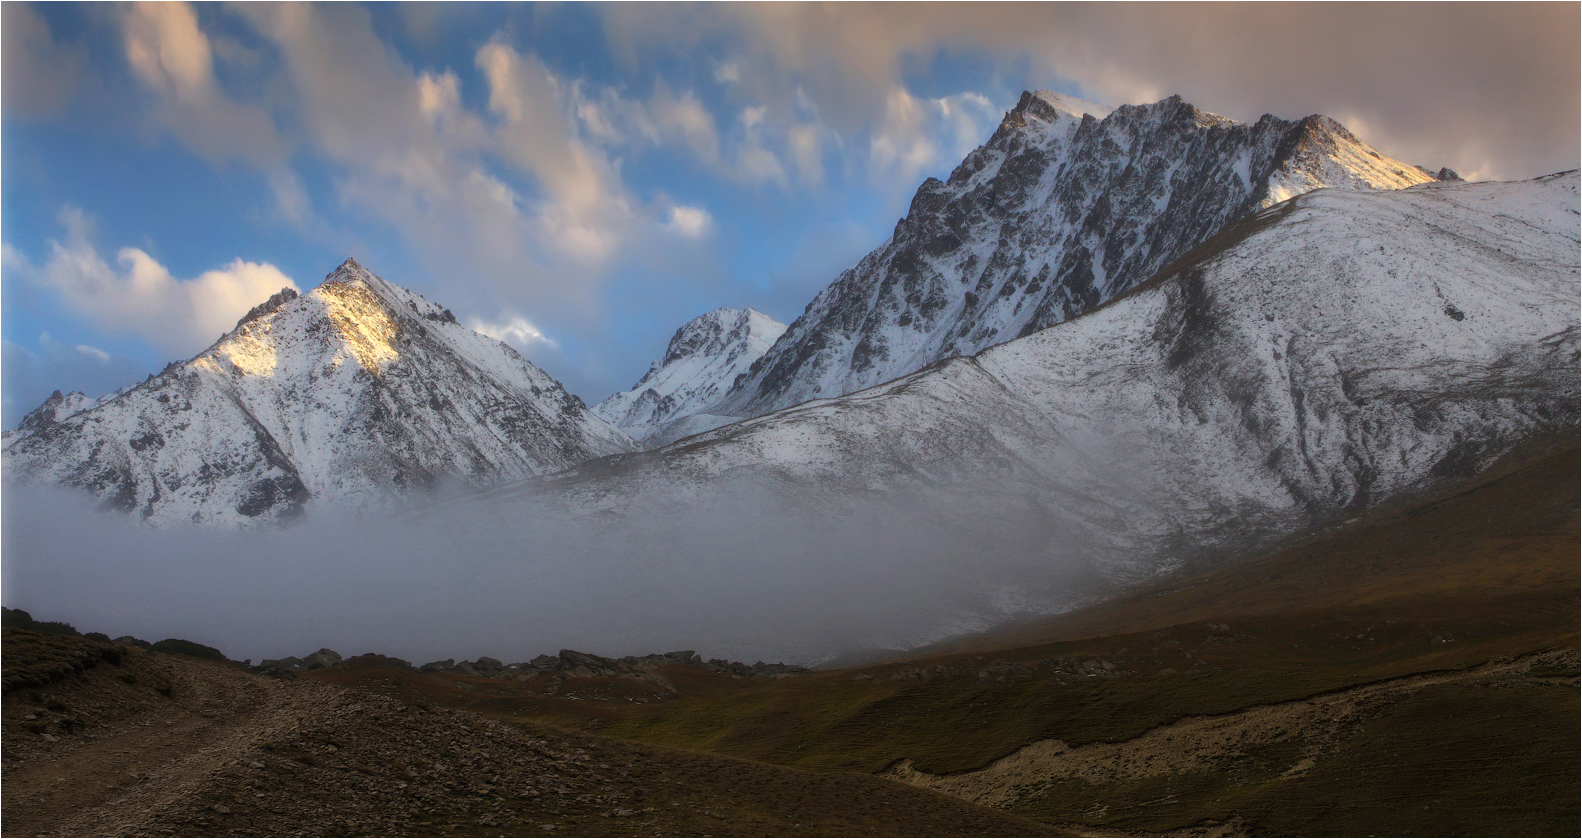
(579, 180)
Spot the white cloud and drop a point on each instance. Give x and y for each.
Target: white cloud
(515, 330)
(691, 222)
(170, 55)
(587, 210)
(141, 297)
(919, 133)
(93, 352)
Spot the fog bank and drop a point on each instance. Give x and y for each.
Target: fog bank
(744, 571)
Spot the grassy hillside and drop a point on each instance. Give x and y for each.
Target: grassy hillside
(1488, 573)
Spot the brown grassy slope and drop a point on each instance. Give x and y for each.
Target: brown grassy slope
(166, 744)
(1490, 570)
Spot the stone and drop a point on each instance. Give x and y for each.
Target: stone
(322, 658)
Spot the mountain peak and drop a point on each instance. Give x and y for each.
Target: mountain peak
(1060, 211)
(357, 391)
(1045, 104)
(703, 359)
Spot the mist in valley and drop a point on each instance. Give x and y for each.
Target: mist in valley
(744, 569)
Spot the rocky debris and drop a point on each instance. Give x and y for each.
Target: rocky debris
(1082, 666)
(1001, 669)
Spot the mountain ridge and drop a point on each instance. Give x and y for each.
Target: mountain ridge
(1311, 363)
(355, 393)
(1058, 211)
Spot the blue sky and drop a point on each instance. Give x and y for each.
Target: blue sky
(580, 180)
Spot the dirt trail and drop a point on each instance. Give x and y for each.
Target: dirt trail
(140, 751)
(1197, 743)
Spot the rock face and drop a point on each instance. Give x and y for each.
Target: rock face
(1321, 358)
(700, 364)
(355, 393)
(1067, 206)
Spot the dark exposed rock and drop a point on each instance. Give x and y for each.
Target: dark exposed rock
(1059, 212)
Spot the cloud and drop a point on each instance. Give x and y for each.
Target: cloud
(140, 296)
(917, 133)
(1486, 87)
(587, 208)
(170, 55)
(689, 222)
(40, 75)
(515, 330)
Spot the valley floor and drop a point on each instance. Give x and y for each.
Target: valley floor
(1412, 673)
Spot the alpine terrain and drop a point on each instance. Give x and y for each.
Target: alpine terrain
(356, 392)
(1065, 207)
(702, 361)
(1323, 357)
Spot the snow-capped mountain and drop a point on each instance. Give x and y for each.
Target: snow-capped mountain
(356, 392)
(704, 357)
(56, 408)
(1323, 357)
(1066, 206)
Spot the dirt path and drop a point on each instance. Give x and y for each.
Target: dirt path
(1198, 743)
(137, 750)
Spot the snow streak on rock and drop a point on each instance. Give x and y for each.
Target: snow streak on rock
(1065, 207)
(354, 393)
(703, 360)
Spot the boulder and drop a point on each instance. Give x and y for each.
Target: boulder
(447, 664)
(322, 658)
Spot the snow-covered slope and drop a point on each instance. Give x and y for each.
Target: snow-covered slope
(1316, 360)
(1065, 207)
(56, 408)
(356, 392)
(704, 357)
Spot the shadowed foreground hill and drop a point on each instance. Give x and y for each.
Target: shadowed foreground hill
(163, 744)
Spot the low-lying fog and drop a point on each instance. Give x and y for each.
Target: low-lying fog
(744, 573)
